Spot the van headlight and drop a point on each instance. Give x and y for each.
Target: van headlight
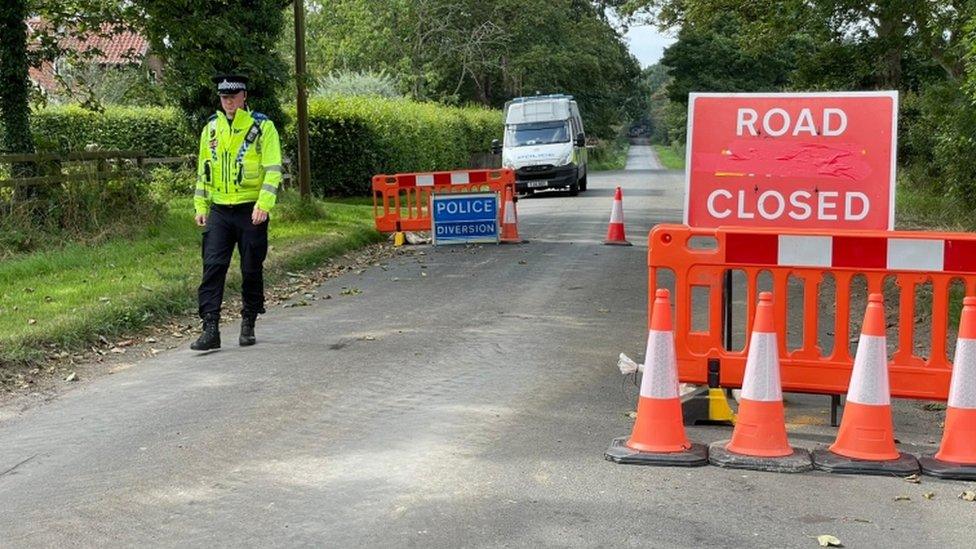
(566, 160)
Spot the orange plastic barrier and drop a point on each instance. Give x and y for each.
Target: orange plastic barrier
(401, 202)
(701, 258)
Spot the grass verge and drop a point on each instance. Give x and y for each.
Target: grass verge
(670, 158)
(608, 155)
(67, 297)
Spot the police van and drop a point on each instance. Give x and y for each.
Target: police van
(545, 144)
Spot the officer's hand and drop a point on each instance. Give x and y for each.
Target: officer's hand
(201, 220)
(258, 216)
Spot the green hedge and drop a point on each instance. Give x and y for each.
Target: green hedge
(158, 131)
(353, 138)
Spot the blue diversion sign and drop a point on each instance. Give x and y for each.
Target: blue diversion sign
(464, 218)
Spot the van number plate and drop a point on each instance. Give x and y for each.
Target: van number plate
(533, 184)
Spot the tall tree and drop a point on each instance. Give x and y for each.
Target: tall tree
(197, 40)
(484, 51)
(14, 84)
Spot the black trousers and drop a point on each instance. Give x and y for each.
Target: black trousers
(228, 226)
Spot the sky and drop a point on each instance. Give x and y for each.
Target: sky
(647, 44)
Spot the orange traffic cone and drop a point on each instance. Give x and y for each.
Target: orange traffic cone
(659, 436)
(866, 440)
(615, 232)
(956, 457)
(759, 438)
(510, 220)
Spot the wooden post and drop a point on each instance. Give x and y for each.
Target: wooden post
(304, 170)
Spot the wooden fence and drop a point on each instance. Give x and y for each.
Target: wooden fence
(57, 168)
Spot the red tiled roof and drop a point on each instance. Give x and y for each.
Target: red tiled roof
(119, 48)
(44, 77)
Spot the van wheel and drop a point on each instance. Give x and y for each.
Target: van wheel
(574, 188)
(582, 184)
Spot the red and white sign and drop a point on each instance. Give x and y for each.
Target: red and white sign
(798, 160)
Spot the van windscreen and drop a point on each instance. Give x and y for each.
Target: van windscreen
(537, 133)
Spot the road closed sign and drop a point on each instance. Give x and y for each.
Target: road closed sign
(798, 160)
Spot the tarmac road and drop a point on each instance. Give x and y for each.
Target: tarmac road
(464, 398)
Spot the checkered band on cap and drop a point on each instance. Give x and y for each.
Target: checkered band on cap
(230, 86)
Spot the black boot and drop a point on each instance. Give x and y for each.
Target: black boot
(210, 338)
(247, 329)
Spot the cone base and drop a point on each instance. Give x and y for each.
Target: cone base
(513, 241)
(866, 433)
(945, 469)
(797, 462)
(958, 437)
(619, 452)
(760, 430)
(825, 460)
(617, 243)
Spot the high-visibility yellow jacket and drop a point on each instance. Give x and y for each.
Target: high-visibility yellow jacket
(239, 161)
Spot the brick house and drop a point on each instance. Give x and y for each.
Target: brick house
(120, 49)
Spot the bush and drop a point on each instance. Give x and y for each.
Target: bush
(365, 83)
(157, 131)
(354, 138)
(936, 140)
(87, 210)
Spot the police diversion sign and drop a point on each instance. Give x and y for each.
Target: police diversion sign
(460, 218)
(798, 160)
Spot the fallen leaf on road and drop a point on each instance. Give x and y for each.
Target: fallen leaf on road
(862, 520)
(913, 479)
(934, 406)
(150, 340)
(72, 377)
(118, 350)
(968, 495)
(902, 498)
(523, 262)
(351, 291)
(928, 495)
(369, 338)
(631, 414)
(829, 541)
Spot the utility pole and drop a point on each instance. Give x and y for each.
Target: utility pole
(304, 170)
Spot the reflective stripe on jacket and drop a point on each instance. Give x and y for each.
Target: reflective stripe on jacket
(231, 172)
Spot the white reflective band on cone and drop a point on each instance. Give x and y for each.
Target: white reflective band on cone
(459, 178)
(761, 381)
(869, 381)
(660, 367)
(425, 180)
(617, 213)
(962, 392)
(509, 212)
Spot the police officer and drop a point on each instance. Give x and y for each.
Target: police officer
(238, 173)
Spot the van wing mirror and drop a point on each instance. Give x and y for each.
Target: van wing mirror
(496, 147)
(580, 140)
